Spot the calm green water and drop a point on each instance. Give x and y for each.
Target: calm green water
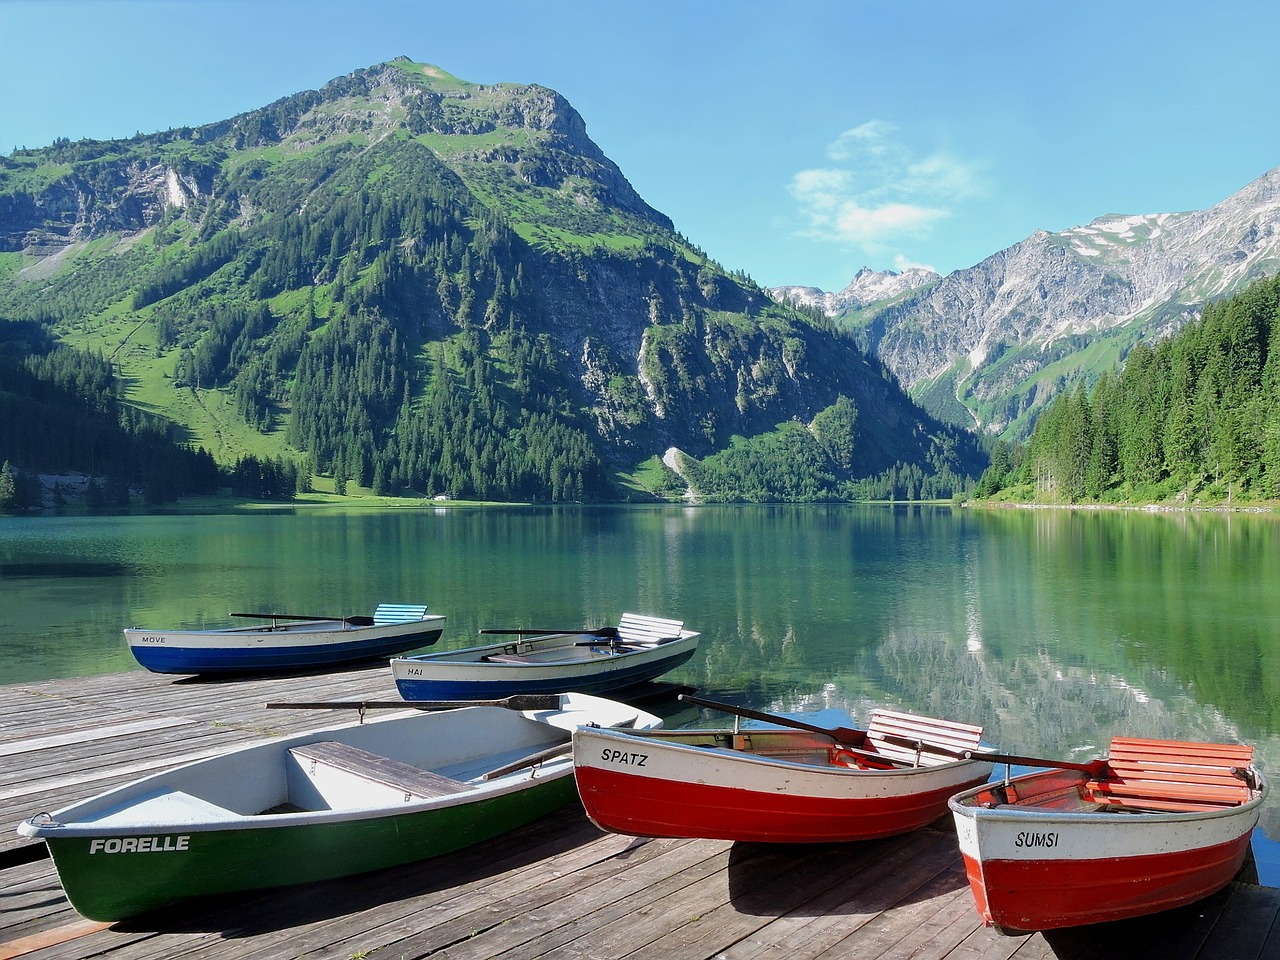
(1054, 629)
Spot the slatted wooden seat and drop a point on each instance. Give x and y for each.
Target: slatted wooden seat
(329, 757)
(1172, 775)
(636, 628)
(388, 613)
(907, 737)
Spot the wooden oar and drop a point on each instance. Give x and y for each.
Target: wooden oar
(521, 701)
(285, 616)
(559, 750)
(846, 735)
(1092, 766)
(592, 632)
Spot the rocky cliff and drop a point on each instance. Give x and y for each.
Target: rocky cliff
(989, 344)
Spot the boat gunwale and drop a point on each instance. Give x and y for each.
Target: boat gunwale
(962, 805)
(474, 656)
(740, 756)
(549, 770)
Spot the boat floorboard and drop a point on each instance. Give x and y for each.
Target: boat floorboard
(557, 888)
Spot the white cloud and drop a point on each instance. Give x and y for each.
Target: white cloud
(876, 193)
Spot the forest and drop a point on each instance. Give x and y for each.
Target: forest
(328, 288)
(1193, 418)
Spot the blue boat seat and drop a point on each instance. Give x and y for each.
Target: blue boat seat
(388, 613)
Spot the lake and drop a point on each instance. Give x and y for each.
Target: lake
(1055, 629)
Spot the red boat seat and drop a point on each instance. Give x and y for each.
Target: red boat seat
(888, 729)
(1172, 775)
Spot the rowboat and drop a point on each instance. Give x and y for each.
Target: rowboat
(287, 642)
(596, 660)
(329, 803)
(1153, 825)
(775, 785)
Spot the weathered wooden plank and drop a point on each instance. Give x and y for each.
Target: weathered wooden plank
(555, 889)
(1247, 921)
(892, 869)
(651, 871)
(931, 923)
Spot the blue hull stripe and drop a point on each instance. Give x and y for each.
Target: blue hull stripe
(170, 659)
(418, 690)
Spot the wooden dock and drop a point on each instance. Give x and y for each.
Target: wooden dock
(558, 888)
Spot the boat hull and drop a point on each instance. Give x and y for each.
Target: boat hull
(293, 647)
(316, 806)
(464, 675)
(660, 787)
(1032, 870)
(105, 880)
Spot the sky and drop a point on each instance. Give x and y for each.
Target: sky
(794, 141)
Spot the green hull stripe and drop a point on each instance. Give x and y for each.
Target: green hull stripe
(110, 886)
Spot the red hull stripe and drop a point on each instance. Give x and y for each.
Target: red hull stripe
(648, 807)
(1025, 896)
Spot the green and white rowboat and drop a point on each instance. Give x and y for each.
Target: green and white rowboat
(320, 805)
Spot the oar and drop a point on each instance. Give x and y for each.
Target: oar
(586, 632)
(846, 735)
(284, 616)
(1093, 766)
(521, 701)
(559, 750)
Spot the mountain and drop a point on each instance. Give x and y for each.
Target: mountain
(989, 345)
(867, 287)
(421, 284)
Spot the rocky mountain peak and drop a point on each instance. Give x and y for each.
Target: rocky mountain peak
(867, 286)
(977, 342)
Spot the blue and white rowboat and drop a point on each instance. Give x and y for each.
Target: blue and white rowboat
(287, 642)
(639, 649)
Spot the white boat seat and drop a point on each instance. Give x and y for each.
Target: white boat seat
(640, 629)
(388, 613)
(326, 758)
(925, 732)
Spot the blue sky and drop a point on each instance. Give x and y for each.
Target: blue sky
(794, 141)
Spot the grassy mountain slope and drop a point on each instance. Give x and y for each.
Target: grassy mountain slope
(428, 285)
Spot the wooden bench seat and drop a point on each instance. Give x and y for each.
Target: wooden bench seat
(647, 631)
(1172, 775)
(905, 738)
(413, 782)
(388, 613)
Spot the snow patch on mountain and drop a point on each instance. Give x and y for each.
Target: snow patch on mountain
(867, 286)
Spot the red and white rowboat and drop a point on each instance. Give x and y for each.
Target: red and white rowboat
(1152, 826)
(770, 785)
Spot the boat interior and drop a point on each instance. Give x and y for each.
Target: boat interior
(365, 766)
(892, 741)
(634, 632)
(1138, 776)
